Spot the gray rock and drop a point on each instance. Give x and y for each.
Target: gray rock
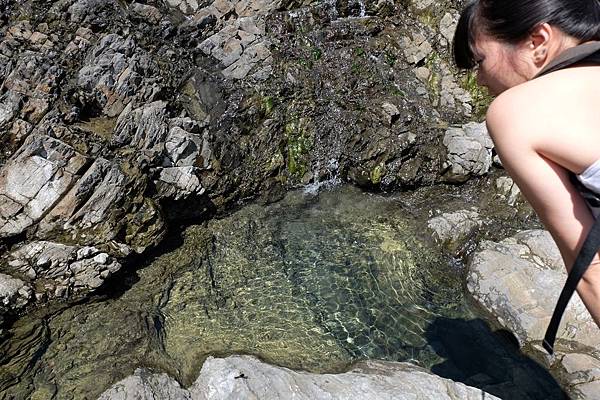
(469, 152)
(417, 49)
(244, 377)
(149, 13)
(451, 93)
(9, 107)
(508, 190)
(452, 229)
(90, 204)
(589, 391)
(182, 148)
(143, 128)
(116, 71)
(34, 180)
(390, 113)
(422, 4)
(583, 374)
(519, 280)
(448, 26)
(185, 6)
(239, 45)
(88, 11)
(179, 182)
(60, 266)
(14, 294)
(146, 385)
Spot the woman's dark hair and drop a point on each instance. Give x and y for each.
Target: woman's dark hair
(511, 21)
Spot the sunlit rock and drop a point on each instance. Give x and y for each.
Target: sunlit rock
(61, 269)
(33, 181)
(246, 377)
(469, 152)
(518, 281)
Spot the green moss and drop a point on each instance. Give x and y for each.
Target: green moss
(377, 173)
(299, 144)
(359, 52)
(390, 58)
(433, 82)
(395, 91)
(268, 103)
(316, 53)
(481, 98)
(429, 18)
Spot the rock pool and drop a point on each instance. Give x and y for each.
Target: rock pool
(313, 282)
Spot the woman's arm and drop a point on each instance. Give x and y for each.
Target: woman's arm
(515, 130)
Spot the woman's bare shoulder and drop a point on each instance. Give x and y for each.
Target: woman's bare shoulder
(541, 102)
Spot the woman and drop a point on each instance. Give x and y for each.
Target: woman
(544, 129)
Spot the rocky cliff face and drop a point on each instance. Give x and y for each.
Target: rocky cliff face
(119, 119)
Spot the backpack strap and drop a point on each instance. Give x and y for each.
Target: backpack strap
(590, 247)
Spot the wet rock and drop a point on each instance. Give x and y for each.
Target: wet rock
(454, 228)
(469, 152)
(116, 71)
(247, 377)
(62, 269)
(518, 281)
(34, 180)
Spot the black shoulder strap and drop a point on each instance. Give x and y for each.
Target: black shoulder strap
(588, 52)
(582, 262)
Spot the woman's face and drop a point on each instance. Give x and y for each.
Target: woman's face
(500, 66)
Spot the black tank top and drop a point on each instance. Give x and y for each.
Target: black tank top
(588, 52)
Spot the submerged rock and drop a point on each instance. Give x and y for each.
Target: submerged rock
(453, 229)
(245, 377)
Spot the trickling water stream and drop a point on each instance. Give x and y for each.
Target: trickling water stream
(312, 282)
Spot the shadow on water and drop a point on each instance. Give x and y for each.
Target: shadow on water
(489, 360)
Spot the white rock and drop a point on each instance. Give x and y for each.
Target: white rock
(244, 377)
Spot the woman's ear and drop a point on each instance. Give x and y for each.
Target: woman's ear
(539, 43)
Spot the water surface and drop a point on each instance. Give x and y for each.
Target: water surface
(314, 282)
